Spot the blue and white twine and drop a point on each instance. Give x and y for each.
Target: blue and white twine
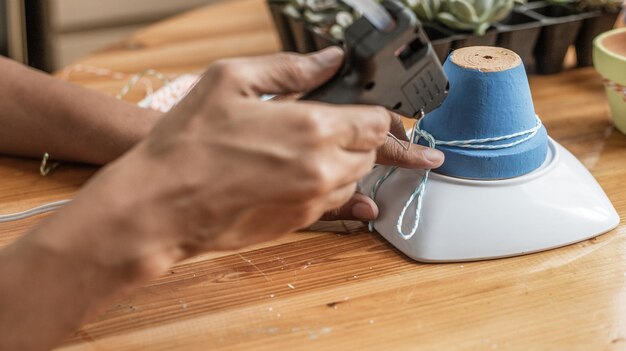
(420, 190)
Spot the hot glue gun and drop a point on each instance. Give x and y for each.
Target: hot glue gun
(389, 62)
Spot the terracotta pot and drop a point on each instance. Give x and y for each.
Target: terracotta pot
(609, 58)
(434, 217)
(486, 102)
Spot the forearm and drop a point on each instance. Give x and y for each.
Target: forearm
(214, 168)
(40, 114)
(100, 246)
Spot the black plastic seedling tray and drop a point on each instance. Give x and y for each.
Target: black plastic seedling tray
(520, 32)
(440, 38)
(591, 28)
(540, 32)
(561, 26)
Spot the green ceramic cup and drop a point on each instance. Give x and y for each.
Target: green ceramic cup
(609, 58)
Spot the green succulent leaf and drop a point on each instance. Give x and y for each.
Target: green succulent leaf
(486, 13)
(450, 21)
(463, 10)
(424, 11)
(497, 11)
(314, 17)
(502, 12)
(291, 11)
(483, 6)
(436, 5)
(482, 28)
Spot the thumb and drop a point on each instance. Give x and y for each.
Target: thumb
(358, 208)
(290, 73)
(416, 157)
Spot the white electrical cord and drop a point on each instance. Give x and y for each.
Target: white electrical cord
(33, 211)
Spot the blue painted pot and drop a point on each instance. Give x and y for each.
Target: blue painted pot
(486, 105)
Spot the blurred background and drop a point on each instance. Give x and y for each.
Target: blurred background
(49, 34)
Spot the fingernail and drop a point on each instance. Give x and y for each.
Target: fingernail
(329, 57)
(434, 156)
(363, 211)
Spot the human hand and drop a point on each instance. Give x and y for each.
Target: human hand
(393, 153)
(362, 208)
(225, 170)
(221, 171)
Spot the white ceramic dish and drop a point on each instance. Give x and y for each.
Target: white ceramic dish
(463, 220)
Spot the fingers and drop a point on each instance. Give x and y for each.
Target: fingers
(360, 127)
(339, 196)
(352, 166)
(331, 170)
(358, 208)
(416, 157)
(352, 128)
(278, 74)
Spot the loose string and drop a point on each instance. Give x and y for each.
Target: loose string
(418, 194)
(132, 82)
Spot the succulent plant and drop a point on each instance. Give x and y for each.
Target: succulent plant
(329, 17)
(585, 5)
(332, 17)
(474, 15)
(426, 10)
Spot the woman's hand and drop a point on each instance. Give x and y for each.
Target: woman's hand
(225, 170)
(362, 208)
(221, 171)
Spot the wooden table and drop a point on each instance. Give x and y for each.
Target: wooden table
(348, 289)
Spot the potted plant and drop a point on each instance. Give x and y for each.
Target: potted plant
(310, 25)
(475, 16)
(453, 24)
(441, 38)
(469, 22)
(540, 31)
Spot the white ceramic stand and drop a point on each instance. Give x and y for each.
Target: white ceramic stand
(463, 220)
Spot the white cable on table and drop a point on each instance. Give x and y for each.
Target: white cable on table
(33, 211)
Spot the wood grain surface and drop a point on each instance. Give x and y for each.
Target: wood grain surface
(338, 287)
